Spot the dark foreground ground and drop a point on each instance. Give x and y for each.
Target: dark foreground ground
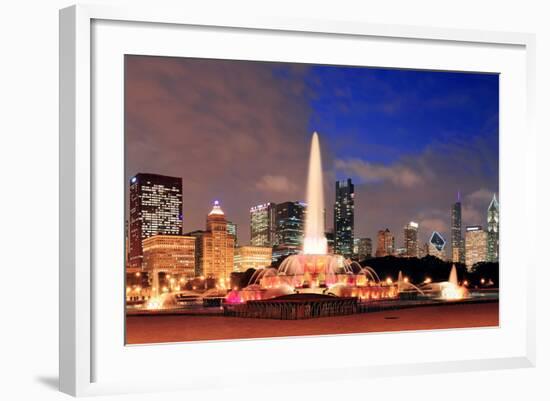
(178, 328)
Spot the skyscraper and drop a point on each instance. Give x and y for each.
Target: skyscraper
(289, 228)
(411, 239)
(493, 230)
(329, 235)
(232, 230)
(215, 246)
(344, 218)
(156, 208)
(457, 243)
(436, 246)
(262, 224)
(385, 243)
(476, 246)
(364, 249)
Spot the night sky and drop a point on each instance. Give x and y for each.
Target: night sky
(239, 132)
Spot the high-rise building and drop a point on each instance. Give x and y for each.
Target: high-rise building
(289, 222)
(355, 247)
(232, 230)
(364, 249)
(197, 234)
(385, 244)
(126, 244)
(492, 230)
(263, 224)
(476, 245)
(344, 218)
(423, 250)
(215, 246)
(457, 243)
(173, 254)
(156, 208)
(411, 239)
(436, 246)
(329, 235)
(247, 257)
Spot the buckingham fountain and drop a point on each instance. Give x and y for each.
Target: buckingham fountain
(317, 283)
(314, 278)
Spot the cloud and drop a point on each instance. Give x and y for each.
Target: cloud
(239, 132)
(220, 125)
(431, 225)
(480, 196)
(474, 209)
(276, 183)
(398, 175)
(422, 187)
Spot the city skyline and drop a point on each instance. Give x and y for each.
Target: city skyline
(265, 239)
(404, 167)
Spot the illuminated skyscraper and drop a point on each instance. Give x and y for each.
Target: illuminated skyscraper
(385, 243)
(232, 230)
(344, 218)
(411, 239)
(329, 235)
(493, 230)
(476, 245)
(289, 228)
(436, 246)
(423, 250)
(457, 243)
(364, 249)
(215, 246)
(262, 224)
(156, 208)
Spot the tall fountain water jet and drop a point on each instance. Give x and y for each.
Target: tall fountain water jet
(314, 270)
(453, 278)
(315, 242)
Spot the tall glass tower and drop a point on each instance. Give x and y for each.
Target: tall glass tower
(457, 251)
(263, 224)
(156, 208)
(290, 220)
(344, 218)
(411, 239)
(492, 230)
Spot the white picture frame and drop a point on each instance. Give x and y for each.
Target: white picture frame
(79, 212)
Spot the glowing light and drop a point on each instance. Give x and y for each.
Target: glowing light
(234, 297)
(428, 280)
(154, 303)
(216, 209)
(315, 242)
(389, 281)
(451, 292)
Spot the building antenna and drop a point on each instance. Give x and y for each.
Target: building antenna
(458, 196)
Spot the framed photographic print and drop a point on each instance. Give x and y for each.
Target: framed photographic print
(290, 190)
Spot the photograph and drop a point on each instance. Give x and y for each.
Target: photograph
(268, 199)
